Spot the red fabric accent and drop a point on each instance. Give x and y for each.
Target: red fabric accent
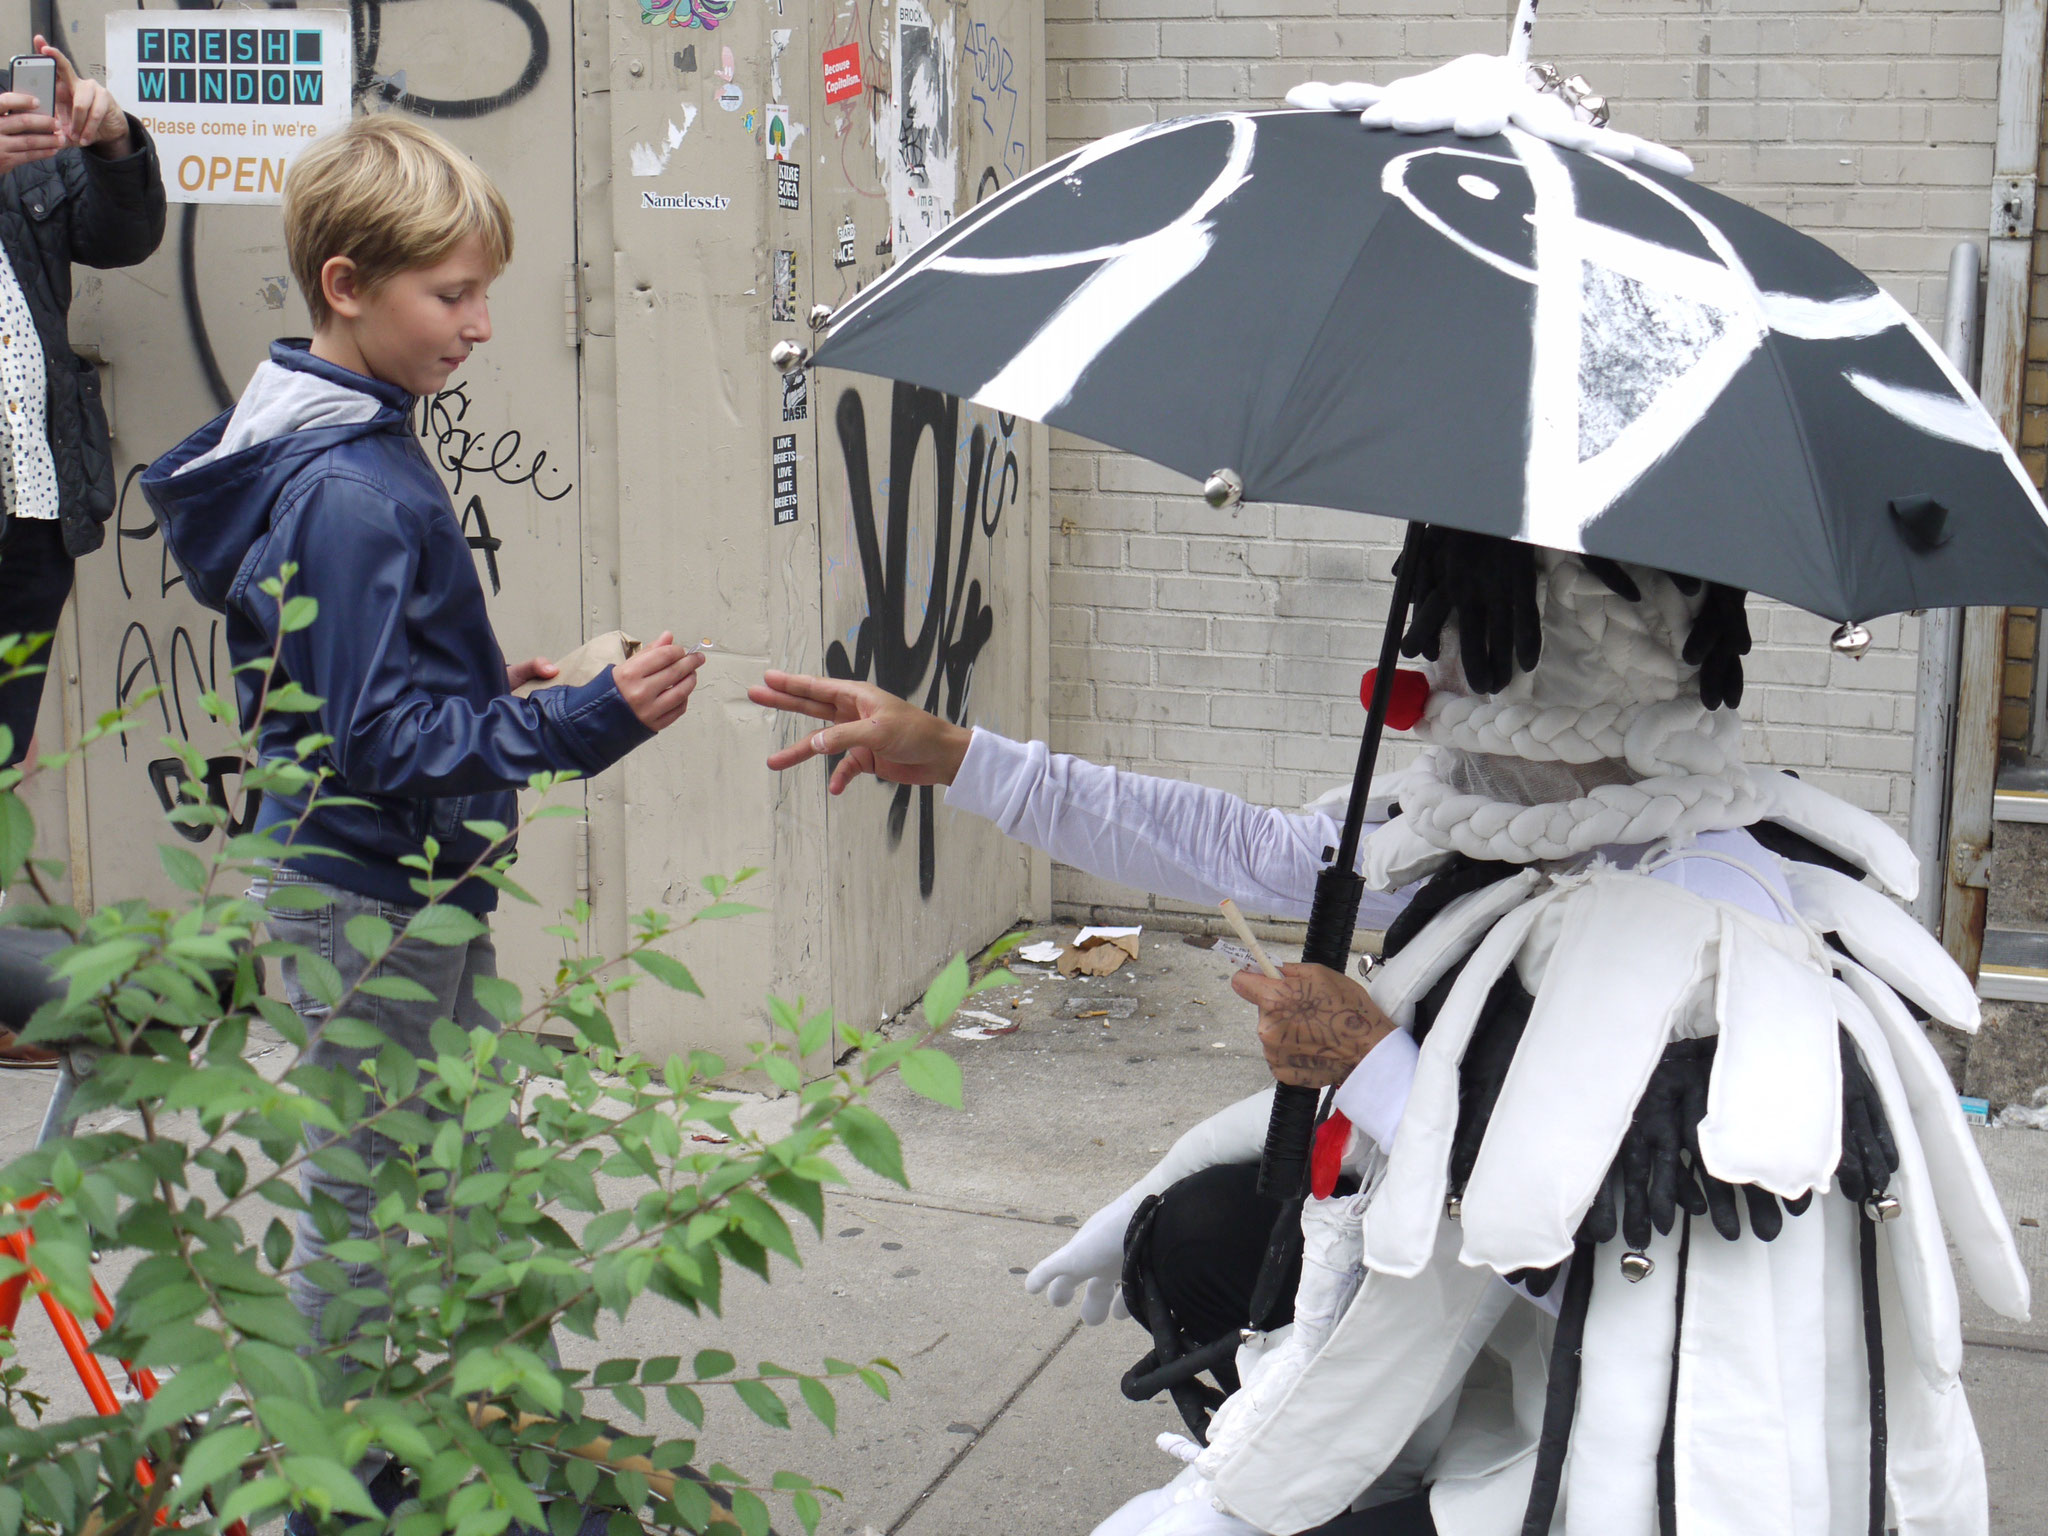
(1404, 707)
(1326, 1161)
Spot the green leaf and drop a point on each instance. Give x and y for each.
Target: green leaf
(252, 1497)
(933, 1075)
(761, 1399)
(751, 1513)
(214, 1457)
(868, 1137)
(947, 991)
(444, 925)
(818, 1398)
(710, 1363)
(319, 977)
(17, 836)
(192, 1391)
(687, 1404)
(667, 970)
(353, 1034)
(369, 935)
(500, 998)
(183, 866)
(723, 909)
(298, 613)
(400, 989)
(277, 1244)
(807, 1510)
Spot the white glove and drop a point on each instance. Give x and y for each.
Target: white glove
(1091, 1262)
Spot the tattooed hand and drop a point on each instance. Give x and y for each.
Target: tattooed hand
(1314, 1023)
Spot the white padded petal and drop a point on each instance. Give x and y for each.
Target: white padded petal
(1884, 938)
(1594, 1035)
(1969, 1204)
(1845, 830)
(1446, 939)
(1401, 1231)
(1919, 1252)
(1774, 1102)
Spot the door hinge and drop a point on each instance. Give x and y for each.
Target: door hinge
(2012, 207)
(583, 859)
(1969, 863)
(572, 309)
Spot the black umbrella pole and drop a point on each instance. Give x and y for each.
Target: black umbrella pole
(1333, 918)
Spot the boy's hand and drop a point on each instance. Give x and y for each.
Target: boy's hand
(520, 673)
(85, 110)
(878, 732)
(657, 681)
(1315, 1024)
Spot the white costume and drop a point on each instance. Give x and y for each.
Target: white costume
(1728, 1390)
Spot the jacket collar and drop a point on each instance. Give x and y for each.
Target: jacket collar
(296, 354)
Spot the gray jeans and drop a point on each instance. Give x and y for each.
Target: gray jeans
(447, 972)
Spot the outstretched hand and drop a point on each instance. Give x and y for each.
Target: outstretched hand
(1315, 1024)
(877, 732)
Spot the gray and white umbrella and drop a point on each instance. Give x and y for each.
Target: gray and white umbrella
(1497, 334)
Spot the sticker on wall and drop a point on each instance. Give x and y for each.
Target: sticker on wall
(684, 13)
(777, 137)
(686, 202)
(686, 60)
(796, 395)
(789, 185)
(925, 172)
(782, 305)
(784, 462)
(231, 97)
(747, 122)
(778, 45)
(730, 97)
(843, 256)
(842, 73)
(652, 159)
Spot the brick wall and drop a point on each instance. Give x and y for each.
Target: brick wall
(1227, 646)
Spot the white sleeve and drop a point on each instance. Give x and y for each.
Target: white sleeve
(1374, 1096)
(1161, 835)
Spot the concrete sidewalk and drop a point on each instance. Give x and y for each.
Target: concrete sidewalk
(1007, 1416)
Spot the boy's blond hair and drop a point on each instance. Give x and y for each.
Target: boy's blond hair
(392, 197)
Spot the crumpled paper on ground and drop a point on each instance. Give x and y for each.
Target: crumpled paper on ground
(1099, 951)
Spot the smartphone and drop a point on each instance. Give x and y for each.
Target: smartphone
(33, 75)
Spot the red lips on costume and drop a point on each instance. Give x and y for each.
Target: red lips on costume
(1404, 708)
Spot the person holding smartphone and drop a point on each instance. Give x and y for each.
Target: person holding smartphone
(79, 182)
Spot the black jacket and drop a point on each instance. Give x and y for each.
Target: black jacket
(78, 207)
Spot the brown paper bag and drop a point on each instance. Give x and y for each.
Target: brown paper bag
(587, 660)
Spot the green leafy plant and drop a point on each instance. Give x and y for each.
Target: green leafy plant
(548, 1180)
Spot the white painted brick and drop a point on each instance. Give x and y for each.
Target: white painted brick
(1179, 669)
(1101, 663)
(1263, 712)
(1157, 706)
(1163, 631)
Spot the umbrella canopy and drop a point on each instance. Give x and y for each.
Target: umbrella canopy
(1495, 334)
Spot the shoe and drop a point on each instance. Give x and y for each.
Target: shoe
(13, 1053)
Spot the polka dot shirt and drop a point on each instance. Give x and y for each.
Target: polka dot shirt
(28, 473)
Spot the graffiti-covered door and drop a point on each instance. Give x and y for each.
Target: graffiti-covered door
(181, 334)
(927, 536)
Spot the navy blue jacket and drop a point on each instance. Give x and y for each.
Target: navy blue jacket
(411, 679)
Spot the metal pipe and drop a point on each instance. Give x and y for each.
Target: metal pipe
(1941, 638)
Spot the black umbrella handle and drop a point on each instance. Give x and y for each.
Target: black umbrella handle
(1290, 1129)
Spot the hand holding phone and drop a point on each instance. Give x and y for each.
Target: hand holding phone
(32, 75)
(29, 128)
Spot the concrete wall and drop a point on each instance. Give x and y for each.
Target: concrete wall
(1226, 647)
(614, 451)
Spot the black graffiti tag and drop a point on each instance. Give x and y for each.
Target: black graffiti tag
(956, 623)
